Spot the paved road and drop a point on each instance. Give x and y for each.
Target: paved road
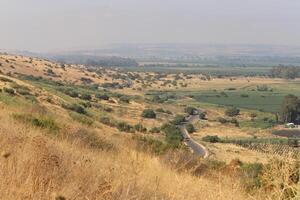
(197, 148)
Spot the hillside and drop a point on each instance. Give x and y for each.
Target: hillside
(71, 132)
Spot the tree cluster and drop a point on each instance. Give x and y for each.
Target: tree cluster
(290, 111)
(287, 72)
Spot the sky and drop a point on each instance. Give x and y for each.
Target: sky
(49, 25)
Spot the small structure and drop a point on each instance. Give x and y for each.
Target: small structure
(290, 125)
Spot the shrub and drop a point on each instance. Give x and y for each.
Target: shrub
(108, 109)
(173, 135)
(155, 130)
(140, 128)
(262, 88)
(86, 104)
(231, 112)
(9, 91)
(190, 128)
(102, 96)
(211, 139)
(42, 121)
(202, 115)
(76, 108)
(231, 89)
(71, 93)
(107, 121)
(124, 127)
(178, 120)
(244, 95)
(87, 97)
(154, 145)
(149, 113)
(235, 122)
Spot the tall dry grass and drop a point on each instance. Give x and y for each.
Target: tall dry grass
(35, 166)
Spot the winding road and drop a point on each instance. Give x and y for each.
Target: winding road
(197, 148)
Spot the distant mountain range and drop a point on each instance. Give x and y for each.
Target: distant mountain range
(202, 54)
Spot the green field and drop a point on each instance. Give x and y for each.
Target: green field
(212, 70)
(246, 97)
(264, 101)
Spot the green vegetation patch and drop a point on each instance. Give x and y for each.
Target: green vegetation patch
(265, 101)
(81, 118)
(44, 122)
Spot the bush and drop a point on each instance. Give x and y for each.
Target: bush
(262, 88)
(9, 91)
(149, 113)
(86, 104)
(235, 122)
(102, 96)
(108, 109)
(107, 121)
(202, 115)
(190, 128)
(244, 95)
(124, 127)
(155, 130)
(173, 135)
(231, 112)
(211, 139)
(87, 97)
(140, 128)
(154, 145)
(178, 120)
(76, 108)
(42, 121)
(72, 93)
(231, 89)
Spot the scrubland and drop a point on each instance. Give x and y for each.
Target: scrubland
(61, 138)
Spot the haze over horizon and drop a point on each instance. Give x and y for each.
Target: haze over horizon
(41, 25)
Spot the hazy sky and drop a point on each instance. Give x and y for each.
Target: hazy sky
(43, 25)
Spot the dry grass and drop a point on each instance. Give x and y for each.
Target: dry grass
(34, 166)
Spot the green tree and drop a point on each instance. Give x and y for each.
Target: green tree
(173, 135)
(290, 110)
